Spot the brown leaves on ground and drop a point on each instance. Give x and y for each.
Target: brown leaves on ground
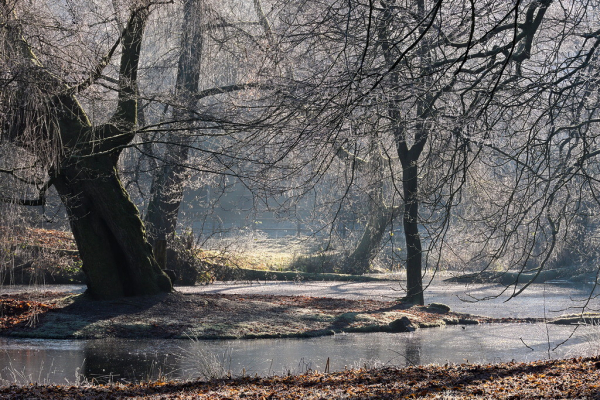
(577, 378)
(47, 238)
(23, 309)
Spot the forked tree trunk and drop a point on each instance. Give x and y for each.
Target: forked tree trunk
(409, 148)
(106, 225)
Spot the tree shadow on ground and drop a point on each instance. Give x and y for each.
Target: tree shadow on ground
(76, 319)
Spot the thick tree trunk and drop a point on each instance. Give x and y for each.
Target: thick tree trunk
(109, 233)
(106, 225)
(414, 280)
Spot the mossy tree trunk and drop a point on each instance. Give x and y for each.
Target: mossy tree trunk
(117, 258)
(110, 236)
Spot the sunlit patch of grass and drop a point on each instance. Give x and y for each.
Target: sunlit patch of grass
(260, 253)
(257, 260)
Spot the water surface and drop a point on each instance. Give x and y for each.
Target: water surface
(61, 361)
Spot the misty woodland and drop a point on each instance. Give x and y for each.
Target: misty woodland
(415, 135)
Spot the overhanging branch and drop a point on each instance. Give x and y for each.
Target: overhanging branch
(229, 89)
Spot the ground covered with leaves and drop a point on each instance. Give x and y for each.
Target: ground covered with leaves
(34, 255)
(24, 309)
(214, 316)
(47, 238)
(577, 378)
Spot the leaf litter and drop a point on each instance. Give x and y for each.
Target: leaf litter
(576, 378)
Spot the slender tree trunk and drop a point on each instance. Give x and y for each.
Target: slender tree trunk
(163, 208)
(407, 153)
(168, 183)
(414, 280)
(409, 157)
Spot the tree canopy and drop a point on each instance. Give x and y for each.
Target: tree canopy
(473, 121)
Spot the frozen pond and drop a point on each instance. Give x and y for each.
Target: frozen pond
(60, 361)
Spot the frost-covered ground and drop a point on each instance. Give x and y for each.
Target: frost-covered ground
(539, 300)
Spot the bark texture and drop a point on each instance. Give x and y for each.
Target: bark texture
(414, 279)
(110, 236)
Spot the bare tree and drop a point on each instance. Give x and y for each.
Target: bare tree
(41, 114)
(199, 88)
(167, 186)
(540, 152)
(423, 71)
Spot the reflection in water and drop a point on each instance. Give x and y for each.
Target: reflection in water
(115, 360)
(42, 361)
(55, 361)
(413, 350)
